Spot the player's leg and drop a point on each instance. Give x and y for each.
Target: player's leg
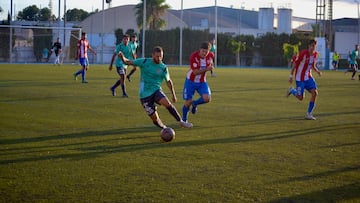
(291, 91)
(85, 68)
(149, 106)
(156, 120)
(186, 109)
(188, 93)
(312, 88)
(122, 82)
(117, 83)
(83, 74)
(58, 59)
(131, 72)
(81, 61)
(354, 70)
(162, 99)
(205, 96)
(300, 90)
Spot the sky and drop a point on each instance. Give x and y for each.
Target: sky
(301, 8)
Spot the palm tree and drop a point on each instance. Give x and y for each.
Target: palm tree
(236, 47)
(155, 9)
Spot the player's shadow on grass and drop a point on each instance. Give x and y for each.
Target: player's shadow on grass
(84, 151)
(322, 174)
(341, 193)
(336, 194)
(295, 118)
(121, 131)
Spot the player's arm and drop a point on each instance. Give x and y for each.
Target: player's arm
(77, 52)
(170, 85)
(92, 50)
(112, 61)
(124, 59)
(315, 68)
(197, 70)
(292, 72)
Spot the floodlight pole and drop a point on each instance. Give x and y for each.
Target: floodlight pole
(144, 29)
(11, 33)
(358, 1)
(64, 23)
(181, 33)
(102, 32)
(216, 30)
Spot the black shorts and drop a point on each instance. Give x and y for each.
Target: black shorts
(149, 103)
(353, 67)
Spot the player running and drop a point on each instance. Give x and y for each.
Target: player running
(126, 49)
(201, 61)
(152, 73)
(304, 80)
(83, 46)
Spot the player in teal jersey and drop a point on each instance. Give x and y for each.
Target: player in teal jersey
(126, 49)
(213, 50)
(353, 63)
(134, 46)
(152, 73)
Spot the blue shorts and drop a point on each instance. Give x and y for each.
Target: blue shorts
(84, 62)
(308, 85)
(190, 87)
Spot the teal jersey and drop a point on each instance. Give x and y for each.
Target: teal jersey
(354, 54)
(126, 50)
(151, 76)
(213, 48)
(134, 46)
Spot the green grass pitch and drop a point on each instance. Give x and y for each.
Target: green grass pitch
(63, 141)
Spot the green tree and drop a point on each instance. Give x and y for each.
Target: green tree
(119, 33)
(30, 13)
(236, 47)
(45, 15)
(76, 15)
(289, 50)
(155, 9)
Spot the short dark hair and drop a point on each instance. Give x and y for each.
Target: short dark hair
(83, 33)
(157, 49)
(205, 45)
(126, 35)
(312, 41)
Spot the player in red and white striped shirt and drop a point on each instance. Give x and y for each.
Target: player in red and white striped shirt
(201, 61)
(305, 62)
(83, 46)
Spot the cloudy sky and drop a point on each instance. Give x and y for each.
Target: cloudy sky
(301, 8)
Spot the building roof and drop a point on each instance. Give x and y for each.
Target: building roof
(229, 19)
(120, 17)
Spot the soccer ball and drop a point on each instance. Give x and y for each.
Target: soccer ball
(167, 134)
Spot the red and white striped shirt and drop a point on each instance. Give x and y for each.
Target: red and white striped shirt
(83, 46)
(196, 62)
(304, 63)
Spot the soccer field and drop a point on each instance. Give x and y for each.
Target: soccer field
(64, 141)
